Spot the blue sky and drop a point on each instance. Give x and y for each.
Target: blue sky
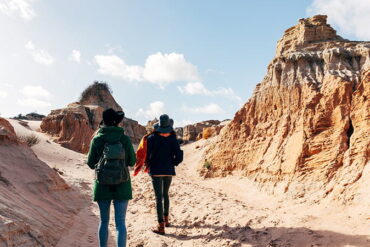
(195, 60)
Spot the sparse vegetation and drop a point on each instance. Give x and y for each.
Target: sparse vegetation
(31, 139)
(24, 124)
(29, 116)
(207, 133)
(207, 165)
(94, 90)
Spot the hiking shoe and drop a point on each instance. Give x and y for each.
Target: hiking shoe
(166, 221)
(159, 229)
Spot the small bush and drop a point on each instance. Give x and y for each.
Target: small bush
(30, 139)
(207, 132)
(207, 165)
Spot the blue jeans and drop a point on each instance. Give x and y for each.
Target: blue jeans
(120, 208)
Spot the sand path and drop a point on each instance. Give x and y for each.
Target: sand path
(212, 212)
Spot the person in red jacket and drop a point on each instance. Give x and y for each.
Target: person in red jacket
(141, 153)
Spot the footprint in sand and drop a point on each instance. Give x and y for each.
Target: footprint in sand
(90, 239)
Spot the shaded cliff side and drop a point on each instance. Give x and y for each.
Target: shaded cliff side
(305, 130)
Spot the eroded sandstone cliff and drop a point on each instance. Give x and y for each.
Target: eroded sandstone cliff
(306, 128)
(74, 126)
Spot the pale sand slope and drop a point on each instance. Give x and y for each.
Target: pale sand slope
(213, 212)
(71, 166)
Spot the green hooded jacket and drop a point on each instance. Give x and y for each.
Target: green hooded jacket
(110, 134)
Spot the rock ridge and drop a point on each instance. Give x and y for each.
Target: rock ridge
(305, 129)
(309, 30)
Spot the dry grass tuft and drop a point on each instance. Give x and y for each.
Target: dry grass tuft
(29, 139)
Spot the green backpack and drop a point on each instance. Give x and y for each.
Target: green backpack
(111, 168)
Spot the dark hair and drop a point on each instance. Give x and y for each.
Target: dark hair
(112, 117)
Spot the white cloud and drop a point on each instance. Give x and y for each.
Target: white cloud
(160, 69)
(34, 96)
(193, 88)
(35, 92)
(22, 8)
(183, 123)
(36, 103)
(351, 16)
(166, 68)
(154, 110)
(3, 94)
(5, 88)
(39, 55)
(75, 56)
(30, 45)
(114, 66)
(207, 109)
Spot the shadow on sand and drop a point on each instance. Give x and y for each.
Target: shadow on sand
(271, 236)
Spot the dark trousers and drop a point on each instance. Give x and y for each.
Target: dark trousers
(161, 186)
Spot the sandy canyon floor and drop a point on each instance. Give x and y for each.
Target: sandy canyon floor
(227, 211)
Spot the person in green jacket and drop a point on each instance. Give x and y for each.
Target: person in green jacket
(103, 194)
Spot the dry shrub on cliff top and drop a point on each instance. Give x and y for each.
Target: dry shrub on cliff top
(207, 133)
(94, 90)
(29, 139)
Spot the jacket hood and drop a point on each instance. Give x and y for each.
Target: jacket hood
(111, 133)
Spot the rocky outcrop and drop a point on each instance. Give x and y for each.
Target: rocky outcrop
(310, 30)
(150, 125)
(193, 132)
(214, 130)
(179, 132)
(30, 116)
(7, 133)
(305, 130)
(133, 129)
(35, 200)
(74, 126)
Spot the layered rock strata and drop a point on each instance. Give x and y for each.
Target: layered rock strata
(306, 128)
(35, 201)
(74, 126)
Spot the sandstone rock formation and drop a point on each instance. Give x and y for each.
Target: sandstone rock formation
(150, 125)
(179, 132)
(214, 130)
(306, 128)
(74, 126)
(7, 133)
(193, 132)
(34, 200)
